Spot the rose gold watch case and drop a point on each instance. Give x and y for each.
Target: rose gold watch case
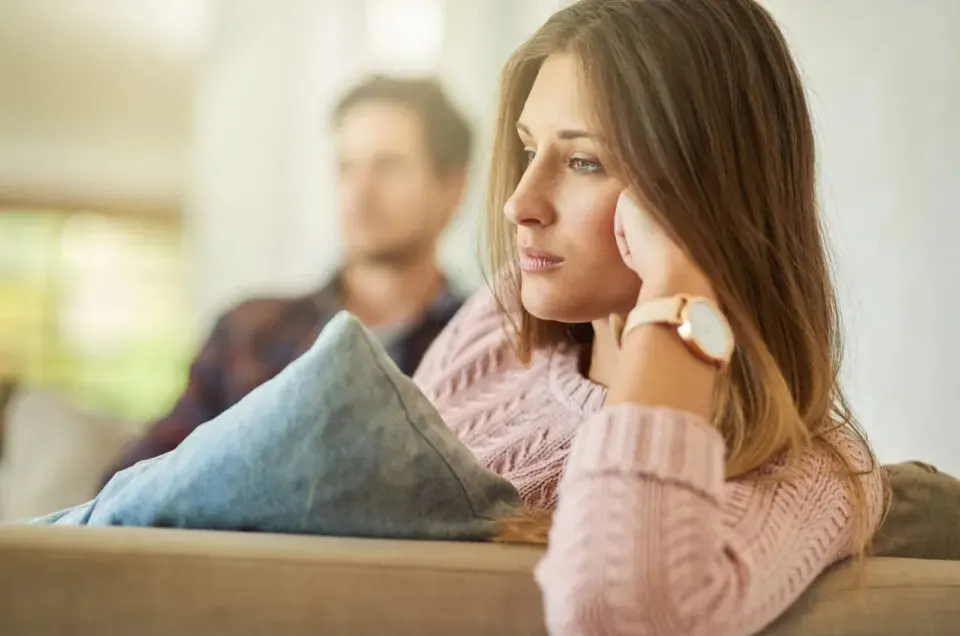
(686, 331)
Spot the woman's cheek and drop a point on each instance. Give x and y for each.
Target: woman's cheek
(587, 206)
(598, 216)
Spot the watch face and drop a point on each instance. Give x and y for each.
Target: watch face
(708, 329)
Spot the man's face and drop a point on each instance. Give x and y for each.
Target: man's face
(393, 202)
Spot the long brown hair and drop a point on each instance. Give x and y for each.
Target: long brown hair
(704, 115)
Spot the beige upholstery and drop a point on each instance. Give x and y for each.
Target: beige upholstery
(94, 581)
(144, 582)
(54, 455)
(909, 597)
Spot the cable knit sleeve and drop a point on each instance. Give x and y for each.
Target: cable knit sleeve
(648, 538)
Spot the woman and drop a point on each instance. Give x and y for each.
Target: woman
(654, 160)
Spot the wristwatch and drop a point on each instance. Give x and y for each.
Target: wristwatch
(698, 321)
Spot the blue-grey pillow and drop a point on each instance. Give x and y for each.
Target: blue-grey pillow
(340, 443)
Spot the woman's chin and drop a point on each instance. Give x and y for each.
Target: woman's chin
(542, 314)
(540, 305)
(556, 303)
(552, 308)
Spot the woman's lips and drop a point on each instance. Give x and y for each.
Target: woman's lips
(532, 260)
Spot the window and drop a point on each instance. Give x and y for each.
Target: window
(95, 306)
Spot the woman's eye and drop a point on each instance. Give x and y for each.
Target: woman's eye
(528, 156)
(585, 166)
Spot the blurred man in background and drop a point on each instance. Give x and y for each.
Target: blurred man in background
(403, 154)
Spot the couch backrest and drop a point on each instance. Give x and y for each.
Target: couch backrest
(54, 454)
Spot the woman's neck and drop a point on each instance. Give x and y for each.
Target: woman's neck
(604, 354)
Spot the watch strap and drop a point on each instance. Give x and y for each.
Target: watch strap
(657, 311)
(660, 311)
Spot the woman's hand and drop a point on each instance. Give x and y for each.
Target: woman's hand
(654, 366)
(663, 266)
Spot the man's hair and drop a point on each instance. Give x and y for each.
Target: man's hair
(446, 130)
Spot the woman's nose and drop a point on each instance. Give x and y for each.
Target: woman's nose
(530, 204)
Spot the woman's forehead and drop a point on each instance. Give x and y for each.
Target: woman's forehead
(558, 99)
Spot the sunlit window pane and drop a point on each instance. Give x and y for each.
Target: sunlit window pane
(95, 307)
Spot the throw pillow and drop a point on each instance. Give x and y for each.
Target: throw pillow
(923, 521)
(339, 443)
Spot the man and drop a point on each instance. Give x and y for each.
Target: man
(403, 154)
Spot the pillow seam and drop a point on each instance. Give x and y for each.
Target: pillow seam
(410, 420)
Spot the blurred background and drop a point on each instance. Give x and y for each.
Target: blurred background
(161, 160)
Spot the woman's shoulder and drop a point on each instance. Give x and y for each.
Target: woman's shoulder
(838, 468)
(475, 334)
(859, 460)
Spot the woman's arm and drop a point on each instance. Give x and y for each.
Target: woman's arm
(649, 539)
(656, 368)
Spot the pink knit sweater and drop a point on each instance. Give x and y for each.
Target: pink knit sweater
(648, 538)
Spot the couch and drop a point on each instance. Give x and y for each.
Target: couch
(81, 581)
(103, 581)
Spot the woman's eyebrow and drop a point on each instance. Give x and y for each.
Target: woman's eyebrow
(565, 134)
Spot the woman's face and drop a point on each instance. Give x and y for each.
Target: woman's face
(563, 208)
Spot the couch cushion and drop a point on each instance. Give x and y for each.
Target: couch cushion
(923, 521)
(879, 597)
(53, 453)
(341, 443)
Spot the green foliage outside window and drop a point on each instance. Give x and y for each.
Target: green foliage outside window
(95, 307)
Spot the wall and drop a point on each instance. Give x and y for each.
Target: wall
(95, 100)
(260, 198)
(884, 78)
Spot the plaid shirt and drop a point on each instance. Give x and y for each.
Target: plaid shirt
(256, 341)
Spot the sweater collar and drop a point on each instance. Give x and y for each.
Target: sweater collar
(568, 385)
